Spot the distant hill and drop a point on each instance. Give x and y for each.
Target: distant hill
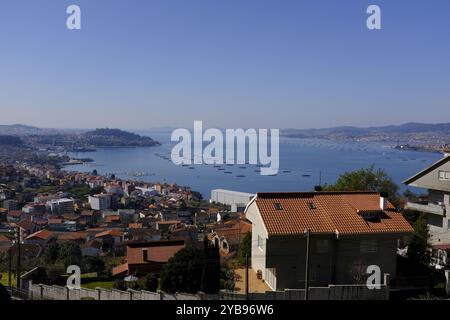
(25, 130)
(408, 136)
(116, 138)
(19, 134)
(348, 131)
(18, 130)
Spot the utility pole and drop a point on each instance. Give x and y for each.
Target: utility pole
(18, 260)
(9, 267)
(246, 276)
(307, 232)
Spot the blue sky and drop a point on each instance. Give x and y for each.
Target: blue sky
(230, 63)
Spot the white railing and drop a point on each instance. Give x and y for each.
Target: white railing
(430, 208)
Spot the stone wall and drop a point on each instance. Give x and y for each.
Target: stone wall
(332, 292)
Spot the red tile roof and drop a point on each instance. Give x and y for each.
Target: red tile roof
(113, 233)
(4, 238)
(79, 235)
(112, 218)
(55, 220)
(15, 213)
(233, 231)
(42, 234)
(445, 246)
(169, 222)
(331, 212)
(120, 269)
(158, 251)
(26, 224)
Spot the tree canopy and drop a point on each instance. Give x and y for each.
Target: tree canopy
(192, 270)
(418, 242)
(369, 179)
(245, 248)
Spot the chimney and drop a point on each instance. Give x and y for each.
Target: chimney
(446, 152)
(317, 188)
(145, 252)
(383, 200)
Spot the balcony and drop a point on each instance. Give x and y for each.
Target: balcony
(426, 207)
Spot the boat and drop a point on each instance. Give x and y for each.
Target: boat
(306, 175)
(286, 171)
(227, 172)
(240, 176)
(191, 168)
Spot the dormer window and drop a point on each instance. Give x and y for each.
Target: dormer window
(145, 254)
(372, 215)
(311, 206)
(278, 206)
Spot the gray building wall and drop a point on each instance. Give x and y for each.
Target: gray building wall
(342, 262)
(438, 203)
(431, 179)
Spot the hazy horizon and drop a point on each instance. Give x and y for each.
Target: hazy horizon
(206, 126)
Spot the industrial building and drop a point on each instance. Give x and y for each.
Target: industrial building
(230, 197)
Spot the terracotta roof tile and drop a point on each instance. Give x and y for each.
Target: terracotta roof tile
(79, 235)
(112, 218)
(158, 251)
(327, 212)
(114, 233)
(4, 238)
(42, 234)
(26, 224)
(120, 269)
(170, 222)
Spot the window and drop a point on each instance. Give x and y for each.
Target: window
(322, 246)
(278, 206)
(368, 246)
(311, 205)
(260, 243)
(444, 175)
(435, 220)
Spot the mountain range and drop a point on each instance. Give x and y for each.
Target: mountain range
(407, 128)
